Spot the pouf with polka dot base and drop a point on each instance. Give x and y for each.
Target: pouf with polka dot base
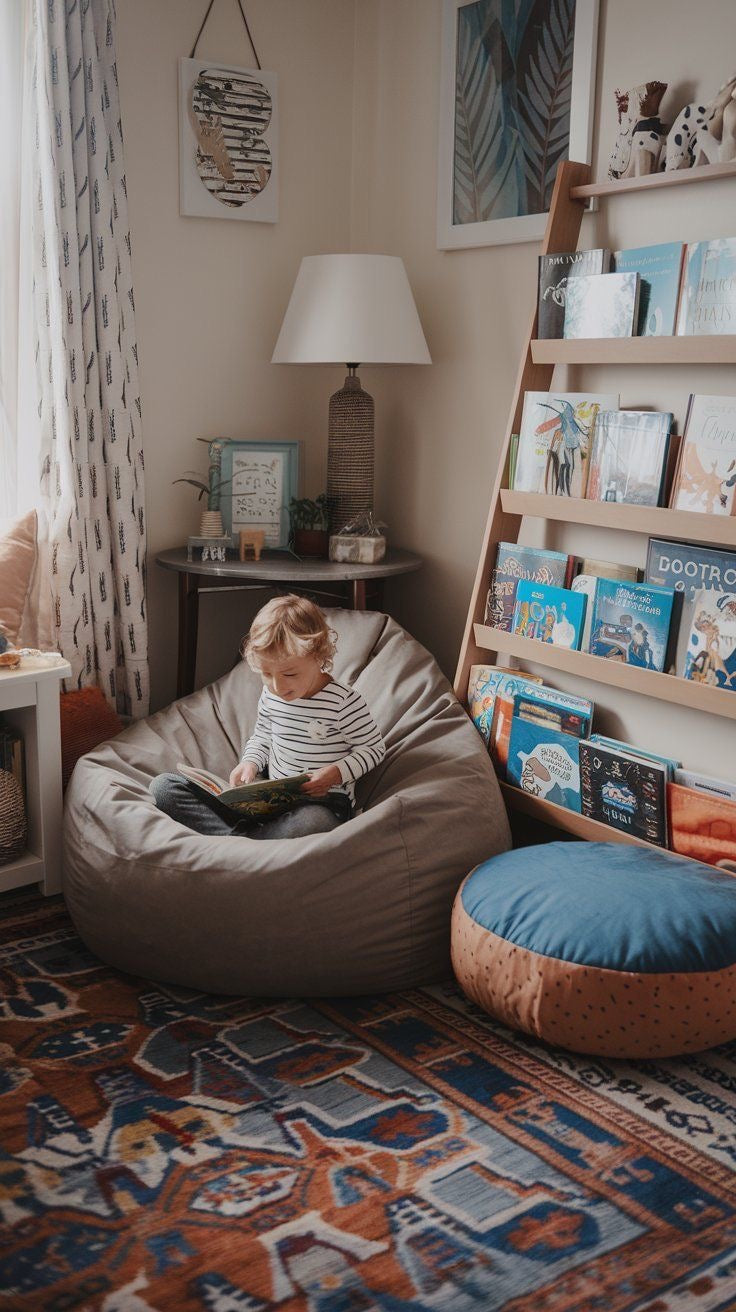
(615, 950)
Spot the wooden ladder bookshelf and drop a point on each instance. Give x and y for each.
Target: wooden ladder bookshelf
(480, 643)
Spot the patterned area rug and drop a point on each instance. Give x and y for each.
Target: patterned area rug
(169, 1150)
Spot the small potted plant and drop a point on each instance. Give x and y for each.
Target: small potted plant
(211, 520)
(310, 525)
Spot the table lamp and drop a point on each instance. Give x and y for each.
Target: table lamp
(352, 309)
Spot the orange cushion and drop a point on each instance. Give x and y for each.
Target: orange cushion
(86, 720)
(17, 562)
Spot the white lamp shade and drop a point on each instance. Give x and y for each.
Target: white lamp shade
(351, 309)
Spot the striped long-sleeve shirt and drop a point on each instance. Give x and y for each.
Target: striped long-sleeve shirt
(333, 727)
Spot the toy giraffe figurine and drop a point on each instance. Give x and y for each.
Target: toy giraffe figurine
(641, 133)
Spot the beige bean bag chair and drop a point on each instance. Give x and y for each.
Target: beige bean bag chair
(363, 909)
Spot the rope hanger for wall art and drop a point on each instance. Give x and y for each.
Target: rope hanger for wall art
(245, 20)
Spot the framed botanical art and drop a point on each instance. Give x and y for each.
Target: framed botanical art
(516, 97)
(228, 142)
(259, 480)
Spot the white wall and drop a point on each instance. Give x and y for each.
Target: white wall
(440, 427)
(210, 294)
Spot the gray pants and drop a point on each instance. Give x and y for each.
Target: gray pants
(173, 794)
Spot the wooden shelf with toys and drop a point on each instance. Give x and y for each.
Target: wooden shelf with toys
(482, 644)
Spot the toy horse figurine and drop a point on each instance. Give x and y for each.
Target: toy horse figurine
(704, 133)
(641, 133)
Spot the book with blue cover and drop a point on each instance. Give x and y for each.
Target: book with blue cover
(631, 623)
(689, 569)
(515, 561)
(659, 268)
(554, 615)
(544, 762)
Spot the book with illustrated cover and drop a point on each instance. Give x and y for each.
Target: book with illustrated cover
(711, 648)
(544, 761)
(688, 568)
(556, 711)
(706, 476)
(549, 614)
(602, 305)
(605, 569)
(659, 268)
(485, 684)
(631, 623)
(260, 800)
(554, 273)
(554, 441)
(629, 456)
(514, 562)
(624, 790)
(708, 296)
(588, 584)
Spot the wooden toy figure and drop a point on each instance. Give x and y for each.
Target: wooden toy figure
(250, 542)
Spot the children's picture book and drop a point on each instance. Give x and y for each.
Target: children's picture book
(588, 584)
(548, 614)
(515, 561)
(708, 296)
(629, 456)
(485, 684)
(503, 710)
(705, 783)
(706, 477)
(555, 271)
(565, 712)
(602, 305)
(604, 569)
(690, 569)
(624, 790)
(544, 762)
(659, 268)
(260, 800)
(554, 441)
(711, 648)
(631, 623)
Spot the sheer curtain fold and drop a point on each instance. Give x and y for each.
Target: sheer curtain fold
(90, 412)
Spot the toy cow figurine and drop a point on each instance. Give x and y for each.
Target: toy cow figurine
(704, 133)
(641, 133)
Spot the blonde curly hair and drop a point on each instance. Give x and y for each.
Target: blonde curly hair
(290, 626)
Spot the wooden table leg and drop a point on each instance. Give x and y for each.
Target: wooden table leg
(188, 623)
(358, 594)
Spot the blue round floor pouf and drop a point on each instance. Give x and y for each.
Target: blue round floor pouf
(617, 950)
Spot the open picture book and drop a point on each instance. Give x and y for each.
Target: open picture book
(262, 799)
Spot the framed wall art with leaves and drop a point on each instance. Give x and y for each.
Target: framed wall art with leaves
(517, 87)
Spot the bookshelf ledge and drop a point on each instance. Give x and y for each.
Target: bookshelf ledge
(650, 683)
(712, 349)
(673, 178)
(654, 521)
(593, 831)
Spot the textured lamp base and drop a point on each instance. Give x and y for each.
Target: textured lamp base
(350, 456)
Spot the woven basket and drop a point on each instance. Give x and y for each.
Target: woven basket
(13, 829)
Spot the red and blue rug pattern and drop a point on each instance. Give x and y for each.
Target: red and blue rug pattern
(162, 1149)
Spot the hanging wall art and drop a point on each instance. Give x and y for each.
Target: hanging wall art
(516, 93)
(228, 153)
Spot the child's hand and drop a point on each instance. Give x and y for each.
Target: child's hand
(321, 781)
(244, 773)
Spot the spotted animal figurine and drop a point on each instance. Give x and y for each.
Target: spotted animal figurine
(641, 133)
(704, 133)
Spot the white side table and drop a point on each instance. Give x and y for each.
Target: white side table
(29, 702)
